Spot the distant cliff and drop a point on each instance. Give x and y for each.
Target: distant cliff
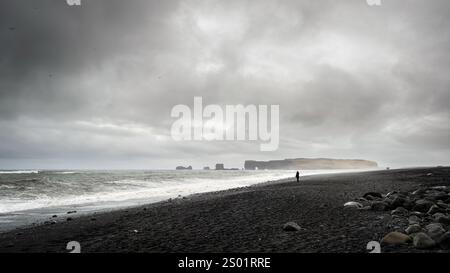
(310, 164)
(181, 168)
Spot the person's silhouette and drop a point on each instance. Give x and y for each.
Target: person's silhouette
(297, 176)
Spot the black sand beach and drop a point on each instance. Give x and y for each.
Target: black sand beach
(241, 220)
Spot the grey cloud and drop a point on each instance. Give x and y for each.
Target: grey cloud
(97, 83)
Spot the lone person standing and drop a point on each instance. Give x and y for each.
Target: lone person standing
(297, 175)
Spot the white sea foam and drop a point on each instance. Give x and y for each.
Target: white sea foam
(18, 172)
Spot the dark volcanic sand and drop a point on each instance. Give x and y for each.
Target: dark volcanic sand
(242, 220)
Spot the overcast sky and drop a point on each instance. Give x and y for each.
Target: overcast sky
(93, 86)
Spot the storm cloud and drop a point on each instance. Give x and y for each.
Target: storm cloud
(93, 86)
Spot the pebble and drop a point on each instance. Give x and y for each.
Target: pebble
(435, 231)
(379, 206)
(444, 241)
(291, 226)
(442, 218)
(423, 205)
(435, 209)
(395, 238)
(400, 211)
(413, 220)
(415, 228)
(353, 205)
(423, 241)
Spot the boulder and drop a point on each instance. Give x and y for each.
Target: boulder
(416, 213)
(447, 201)
(435, 231)
(353, 205)
(397, 202)
(423, 241)
(372, 195)
(442, 205)
(400, 211)
(408, 204)
(423, 205)
(419, 192)
(362, 199)
(379, 206)
(413, 219)
(415, 228)
(444, 241)
(435, 209)
(436, 195)
(395, 238)
(442, 218)
(291, 226)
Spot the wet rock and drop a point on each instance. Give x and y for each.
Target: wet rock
(435, 231)
(436, 195)
(442, 205)
(353, 205)
(397, 202)
(362, 200)
(442, 218)
(395, 238)
(415, 228)
(372, 195)
(437, 216)
(390, 194)
(408, 204)
(419, 192)
(379, 206)
(291, 226)
(423, 205)
(444, 241)
(423, 241)
(413, 219)
(435, 209)
(400, 211)
(416, 213)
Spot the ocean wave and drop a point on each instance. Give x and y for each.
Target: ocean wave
(19, 172)
(93, 189)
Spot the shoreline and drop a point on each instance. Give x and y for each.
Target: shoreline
(42, 216)
(246, 219)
